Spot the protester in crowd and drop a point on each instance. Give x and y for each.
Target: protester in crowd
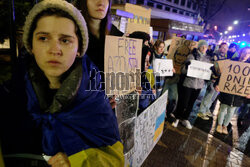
(97, 15)
(232, 51)
(158, 54)
(170, 84)
(52, 110)
(230, 102)
(210, 50)
(191, 86)
(211, 94)
(146, 93)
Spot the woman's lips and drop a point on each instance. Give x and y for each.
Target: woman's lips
(54, 62)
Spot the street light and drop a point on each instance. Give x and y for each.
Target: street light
(229, 28)
(225, 32)
(221, 33)
(236, 21)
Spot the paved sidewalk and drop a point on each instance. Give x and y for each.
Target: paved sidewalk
(182, 147)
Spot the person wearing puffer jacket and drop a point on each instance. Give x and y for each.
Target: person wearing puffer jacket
(191, 86)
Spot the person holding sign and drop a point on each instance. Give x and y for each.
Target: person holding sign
(230, 102)
(97, 15)
(158, 54)
(211, 94)
(146, 93)
(50, 113)
(191, 86)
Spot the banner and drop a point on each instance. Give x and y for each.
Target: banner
(148, 131)
(198, 69)
(179, 50)
(163, 67)
(122, 63)
(235, 78)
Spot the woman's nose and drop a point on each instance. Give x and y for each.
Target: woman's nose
(55, 47)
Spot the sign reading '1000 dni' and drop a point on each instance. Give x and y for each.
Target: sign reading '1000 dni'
(235, 78)
(122, 64)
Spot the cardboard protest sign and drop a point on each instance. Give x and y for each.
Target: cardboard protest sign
(141, 20)
(122, 63)
(235, 78)
(179, 50)
(148, 130)
(163, 67)
(198, 69)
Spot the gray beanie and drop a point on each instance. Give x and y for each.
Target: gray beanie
(201, 43)
(58, 4)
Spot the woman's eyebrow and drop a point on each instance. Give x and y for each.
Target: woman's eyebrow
(42, 33)
(66, 36)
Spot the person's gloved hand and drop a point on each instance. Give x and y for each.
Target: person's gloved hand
(187, 64)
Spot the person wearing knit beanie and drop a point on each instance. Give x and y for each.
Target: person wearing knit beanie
(63, 116)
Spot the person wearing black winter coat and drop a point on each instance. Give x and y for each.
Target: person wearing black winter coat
(229, 102)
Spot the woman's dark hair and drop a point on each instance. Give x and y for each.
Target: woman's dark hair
(223, 43)
(105, 25)
(140, 35)
(58, 13)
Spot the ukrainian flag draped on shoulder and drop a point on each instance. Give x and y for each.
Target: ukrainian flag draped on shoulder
(80, 121)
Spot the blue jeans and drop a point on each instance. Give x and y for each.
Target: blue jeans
(225, 115)
(208, 99)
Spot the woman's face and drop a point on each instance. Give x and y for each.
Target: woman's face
(54, 45)
(160, 49)
(203, 49)
(245, 55)
(97, 8)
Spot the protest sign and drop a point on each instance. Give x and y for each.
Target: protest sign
(163, 67)
(141, 20)
(148, 130)
(198, 69)
(122, 63)
(126, 112)
(179, 50)
(235, 78)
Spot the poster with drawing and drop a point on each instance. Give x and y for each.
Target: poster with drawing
(126, 106)
(179, 50)
(235, 78)
(148, 130)
(163, 67)
(198, 69)
(126, 111)
(122, 63)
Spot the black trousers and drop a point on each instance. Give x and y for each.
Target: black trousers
(186, 101)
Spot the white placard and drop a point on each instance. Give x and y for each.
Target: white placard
(198, 69)
(163, 67)
(148, 131)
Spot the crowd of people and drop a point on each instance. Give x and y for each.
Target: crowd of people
(47, 112)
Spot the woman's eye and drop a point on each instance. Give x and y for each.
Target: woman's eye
(43, 38)
(65, 41)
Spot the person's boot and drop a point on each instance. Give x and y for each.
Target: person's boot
(219, 129)
(224, 130)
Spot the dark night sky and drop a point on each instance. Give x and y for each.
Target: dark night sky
(232, 10)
